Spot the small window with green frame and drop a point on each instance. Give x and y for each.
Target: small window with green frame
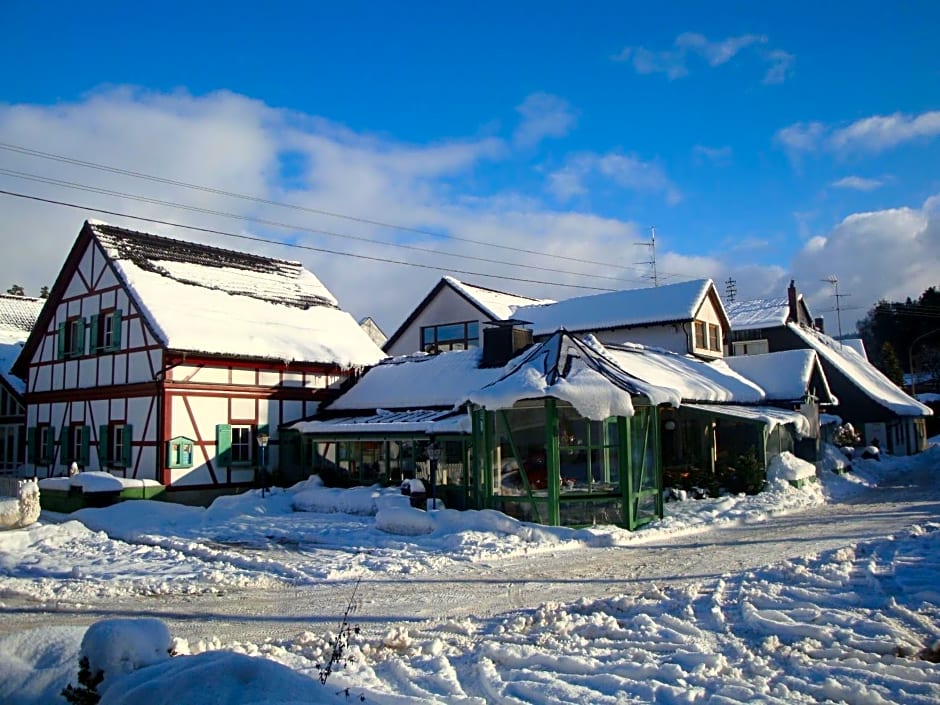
(179, 452)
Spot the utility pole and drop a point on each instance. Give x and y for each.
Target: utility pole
(652, 260)
(731, 290)
(832, 279)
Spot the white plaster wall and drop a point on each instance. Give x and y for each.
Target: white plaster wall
(240, 376)
(243, 408)
(446, 307)
(669, 337)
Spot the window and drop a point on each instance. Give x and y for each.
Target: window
(179, 452)
(71, 338)
(700, 341)
(450, 336)
(234, 445)
(73, 443)
(114, 444)
(714, 338)
(106, 331)
(9, 406)
(9, 446)
(40, 445)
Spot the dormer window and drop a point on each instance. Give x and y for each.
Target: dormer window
(450, 336)
(714, 337)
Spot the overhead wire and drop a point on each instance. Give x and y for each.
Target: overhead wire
(290, 226)
(28, 151)
(254, 238)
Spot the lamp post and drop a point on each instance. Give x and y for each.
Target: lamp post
(262, 446)
(434, 454)
(910, 357)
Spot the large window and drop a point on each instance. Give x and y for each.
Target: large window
(9, 406)
(9, 446)
(451, 336)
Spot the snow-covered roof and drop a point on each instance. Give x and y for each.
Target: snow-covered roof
(18, 315)
(428, 421)
(785, 375)
(857, 344)
(862, 373)
(500, 305)
(418, 381)
(211, 300)
(690, 378)
(578, 372)
(372, 329)
(618, 309)
(9, 352)
(758, 313)
(769, 415)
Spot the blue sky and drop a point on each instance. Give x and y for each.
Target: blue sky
(751, 137)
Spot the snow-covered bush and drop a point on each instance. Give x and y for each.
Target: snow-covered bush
(22, 510)
(846, 435)
(788, 467)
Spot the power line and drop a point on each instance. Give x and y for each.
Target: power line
(309, 248)
(263, 221)
(27, 151)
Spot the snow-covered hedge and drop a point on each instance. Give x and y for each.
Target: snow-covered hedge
(787, 466)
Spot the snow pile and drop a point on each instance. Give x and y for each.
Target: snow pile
(119, 646)
(406, 521)
(36, 665)
(833, 459)
(788, 467)
(96, 481)
(361, 501)
(22, 510)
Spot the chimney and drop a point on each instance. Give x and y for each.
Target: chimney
(503, 340)
(820, 324)
(791, 300)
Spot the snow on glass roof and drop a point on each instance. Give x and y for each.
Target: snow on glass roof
(571, 370)
(212, 300)
(690, 378)
(758, 313)
(499, 304)
(862, 373)
(617, 309)
(769, 415)
(784, 376)
(418, 381)
(429, 421)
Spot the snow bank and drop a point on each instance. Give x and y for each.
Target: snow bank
(361, 501)
(119, 646)
(787, 466)
(406, 521)
(36, 665)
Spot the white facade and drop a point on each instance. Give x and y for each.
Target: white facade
(447, 307)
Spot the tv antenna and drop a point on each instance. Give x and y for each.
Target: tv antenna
(834, 280)
(731, 289)
(652, 260)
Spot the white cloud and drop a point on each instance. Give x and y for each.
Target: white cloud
(716, 155)
(889, 254)
(868, 135)
(543, 115)
(624, 170)
(857, 183)
(674, 62)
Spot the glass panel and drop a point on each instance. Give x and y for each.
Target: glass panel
(592, 511)
(453, 331)
(588, 453)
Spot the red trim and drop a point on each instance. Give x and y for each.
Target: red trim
(144, 389)
(259, 365)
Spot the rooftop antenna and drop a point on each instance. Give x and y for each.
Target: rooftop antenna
(832, 279)
(652, 260)
(731, 289)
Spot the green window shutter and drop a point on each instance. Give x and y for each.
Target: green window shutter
(50, 446)
(78, 347)
(103, 445)
(93, 345)
(86, 433)
(60, 342)
(31, 454)
(65, 446)
(115, 331)
(126, 445)
(223, 444)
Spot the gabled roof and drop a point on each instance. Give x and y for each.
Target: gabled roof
(690, 378)
(493, 305)
(868, 378)
(758, 313)
(785, 376)
(18, 315)
(670, 303)
(210, 300)
(372, 329)
(578, 372)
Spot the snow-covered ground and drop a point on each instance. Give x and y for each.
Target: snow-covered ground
(857, 622)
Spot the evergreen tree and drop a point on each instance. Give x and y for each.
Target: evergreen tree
(44, 293)
(16, 290)
(890, 364)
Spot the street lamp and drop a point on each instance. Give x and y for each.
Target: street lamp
(910, 357)
(434, 454)
(262, 439)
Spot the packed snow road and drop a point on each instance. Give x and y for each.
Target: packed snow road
(256, 610)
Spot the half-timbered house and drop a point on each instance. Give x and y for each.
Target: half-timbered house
(161, 359)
